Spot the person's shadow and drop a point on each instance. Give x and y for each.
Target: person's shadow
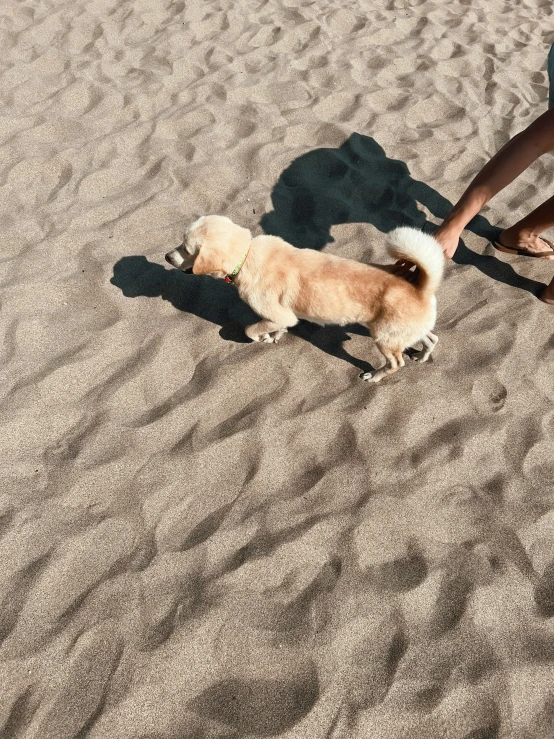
(354, 183)
(358, 183)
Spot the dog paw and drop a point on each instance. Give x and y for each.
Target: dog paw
(268, 339)
(374, 376)
(421, 356)
(371, 377)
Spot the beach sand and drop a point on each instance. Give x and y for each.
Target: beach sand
(205, 538)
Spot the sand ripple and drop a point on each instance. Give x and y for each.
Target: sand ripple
(206, 538)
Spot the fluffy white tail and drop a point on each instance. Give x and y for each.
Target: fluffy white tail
(423, 250)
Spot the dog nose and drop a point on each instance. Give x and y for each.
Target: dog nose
(174, 258)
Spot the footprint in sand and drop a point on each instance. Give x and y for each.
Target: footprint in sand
(452, 596)
(386, 549)
(79, 98)
(266, 687)
(342, 22)
(264, 707)
(488, 394)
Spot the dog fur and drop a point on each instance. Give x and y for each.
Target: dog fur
(283, 284)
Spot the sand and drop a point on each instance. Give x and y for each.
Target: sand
(205, 538)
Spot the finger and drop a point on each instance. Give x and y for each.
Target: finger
(410, 276)
(404, 271)
(400, 267)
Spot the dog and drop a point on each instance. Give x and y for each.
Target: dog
(284, 284)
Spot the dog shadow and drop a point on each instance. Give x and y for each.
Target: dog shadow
(219, 303)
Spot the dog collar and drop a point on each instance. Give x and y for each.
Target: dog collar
(234, 273)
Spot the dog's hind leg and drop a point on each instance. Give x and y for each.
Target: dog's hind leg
(394, 362)
(429, 343)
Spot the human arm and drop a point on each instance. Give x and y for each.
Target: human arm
(507, 164)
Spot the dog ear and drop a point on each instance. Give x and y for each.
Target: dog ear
(221, 251)
(206, 261)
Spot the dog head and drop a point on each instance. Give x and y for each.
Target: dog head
(213, 245)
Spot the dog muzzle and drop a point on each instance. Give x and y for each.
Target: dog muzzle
(174, 258)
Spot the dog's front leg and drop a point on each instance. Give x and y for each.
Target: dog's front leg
(271, 329)
(263, 331)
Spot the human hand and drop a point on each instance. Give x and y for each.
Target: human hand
(448, 240)
(405, 269)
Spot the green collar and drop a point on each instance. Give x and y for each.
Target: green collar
(234, 273)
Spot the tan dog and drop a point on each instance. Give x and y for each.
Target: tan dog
(284, 284)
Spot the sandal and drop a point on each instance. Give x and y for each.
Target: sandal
(523, 252)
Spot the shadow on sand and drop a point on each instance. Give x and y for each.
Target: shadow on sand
(354, 183)
(219, 303)
(358, 183)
